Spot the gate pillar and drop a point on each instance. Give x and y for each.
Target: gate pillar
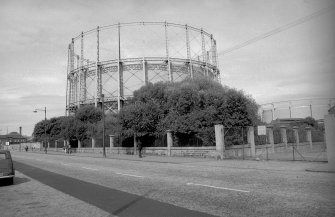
(309, 136)
(111, 143)
(296, 135)
(93, 142)
(283, 134)
(251, 139)
(271, 139)
(219, 139)
(169, 142)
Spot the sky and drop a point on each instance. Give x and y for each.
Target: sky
(293, 64)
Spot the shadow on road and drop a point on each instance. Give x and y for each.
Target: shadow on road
(121, 209)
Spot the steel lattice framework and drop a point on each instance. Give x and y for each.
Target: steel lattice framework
(117, 59)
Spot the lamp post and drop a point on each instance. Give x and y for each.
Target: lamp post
(45, 133)
(103, 124)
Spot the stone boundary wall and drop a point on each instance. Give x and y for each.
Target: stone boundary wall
(160, 151)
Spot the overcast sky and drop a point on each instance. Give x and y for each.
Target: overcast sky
(296, 63)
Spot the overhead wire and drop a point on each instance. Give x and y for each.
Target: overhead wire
(279, 29)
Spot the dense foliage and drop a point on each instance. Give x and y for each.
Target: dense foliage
(189, 109)
(83, 125)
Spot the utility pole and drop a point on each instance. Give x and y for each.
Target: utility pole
(103, 124)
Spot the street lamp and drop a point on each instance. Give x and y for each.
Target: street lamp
(103, 124)
(45, 133)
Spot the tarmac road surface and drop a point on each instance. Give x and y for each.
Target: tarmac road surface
(162, 186)
(113, 201)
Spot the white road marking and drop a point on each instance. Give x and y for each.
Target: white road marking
(65, 164)
(89, 168)
(210, 186)
(124, 174)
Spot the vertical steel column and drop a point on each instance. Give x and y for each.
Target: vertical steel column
(216, 62)
(213, 49)
(75, 77)
(76, 81)
(120, 74)
(98, 72)
(145, 71)
(207, 60)
(68, 83)
(82, 72)
(203, 47)
(71, 72)
(188, 52)
(167, 52)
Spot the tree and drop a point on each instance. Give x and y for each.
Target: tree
(87, 121)
(41, 129)
(89, 114)
(139, 118)
(68, 128)
(190, 107)
(56, 127)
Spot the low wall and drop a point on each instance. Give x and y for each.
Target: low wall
(238, 151)
(161, 151)
(17, 147)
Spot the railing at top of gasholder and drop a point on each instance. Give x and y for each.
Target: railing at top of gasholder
(113, 61)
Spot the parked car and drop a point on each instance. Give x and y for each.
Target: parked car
(7, 171)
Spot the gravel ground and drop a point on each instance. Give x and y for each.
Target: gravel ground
(28, 197)
(256, 188)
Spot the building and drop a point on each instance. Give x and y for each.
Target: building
(12, 138)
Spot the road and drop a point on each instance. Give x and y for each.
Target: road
(194, 187)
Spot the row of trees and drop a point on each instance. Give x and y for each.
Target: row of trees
(187, 108)
(85, 124)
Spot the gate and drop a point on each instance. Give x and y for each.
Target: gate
(291, 143)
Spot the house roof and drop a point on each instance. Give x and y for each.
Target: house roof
(13, 135)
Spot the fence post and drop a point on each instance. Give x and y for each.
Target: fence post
(283, 134)
(111, 143)
(251, 138)
(271, 140)
(169, 142)
(296, 135)
(330, 139)
(309, 136)
(135, 144)
(93, 142)
(219, 139)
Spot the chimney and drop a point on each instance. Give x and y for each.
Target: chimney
(21, 131)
